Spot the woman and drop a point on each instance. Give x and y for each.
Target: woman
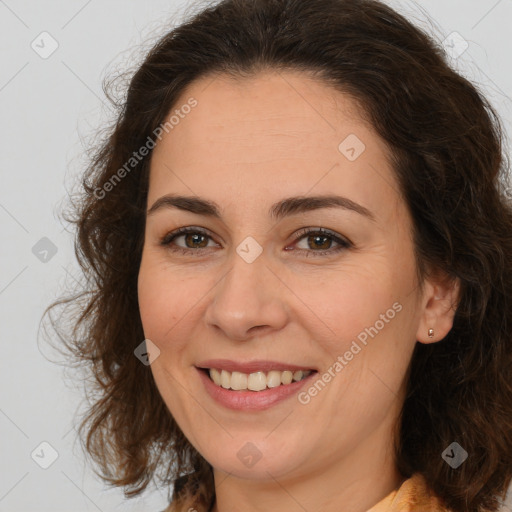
(300, 255)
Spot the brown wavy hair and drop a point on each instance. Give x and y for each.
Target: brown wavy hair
(447, 144)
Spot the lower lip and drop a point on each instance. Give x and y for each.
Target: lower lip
(251, 400)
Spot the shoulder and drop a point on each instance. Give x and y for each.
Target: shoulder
(172, 508)
(187, 499)
(413, 495)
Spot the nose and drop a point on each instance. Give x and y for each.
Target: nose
(248, 301)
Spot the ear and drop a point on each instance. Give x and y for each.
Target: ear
(439, 302)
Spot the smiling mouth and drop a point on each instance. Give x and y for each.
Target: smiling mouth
(257, 381)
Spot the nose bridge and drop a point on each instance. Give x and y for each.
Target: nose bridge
(249, 295)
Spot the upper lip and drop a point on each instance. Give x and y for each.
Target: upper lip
(250, 366)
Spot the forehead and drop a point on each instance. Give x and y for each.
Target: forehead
(280, 108)
(268, 134)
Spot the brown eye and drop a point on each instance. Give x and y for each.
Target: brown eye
(194, 239)
(319, 242)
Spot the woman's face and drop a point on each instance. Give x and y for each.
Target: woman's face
(252, 286)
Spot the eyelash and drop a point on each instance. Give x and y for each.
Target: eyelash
(343, 243)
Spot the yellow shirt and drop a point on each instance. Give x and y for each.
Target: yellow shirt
(412, 496)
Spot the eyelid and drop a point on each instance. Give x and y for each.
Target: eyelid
(340, 239)
(168, 237)
(343, 242)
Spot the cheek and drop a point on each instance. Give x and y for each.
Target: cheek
(345, 302)
(164, 300)
(363, 315)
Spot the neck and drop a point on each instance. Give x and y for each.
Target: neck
(355, 483)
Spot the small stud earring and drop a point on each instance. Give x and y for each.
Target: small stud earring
(431, 333)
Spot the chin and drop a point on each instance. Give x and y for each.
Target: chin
(258, 460)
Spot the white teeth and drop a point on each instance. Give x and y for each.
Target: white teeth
(297, 375)
(215, 375)
(238, 381)
(286, 377)
(225, 379)
(257, 381)
(273, 379)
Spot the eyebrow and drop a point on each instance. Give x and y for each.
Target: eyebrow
(279, 210)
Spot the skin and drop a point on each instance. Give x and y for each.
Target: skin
(248, 144)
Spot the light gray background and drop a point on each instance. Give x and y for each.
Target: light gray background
(50, 108)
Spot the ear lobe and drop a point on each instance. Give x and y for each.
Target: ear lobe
(440, 300)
